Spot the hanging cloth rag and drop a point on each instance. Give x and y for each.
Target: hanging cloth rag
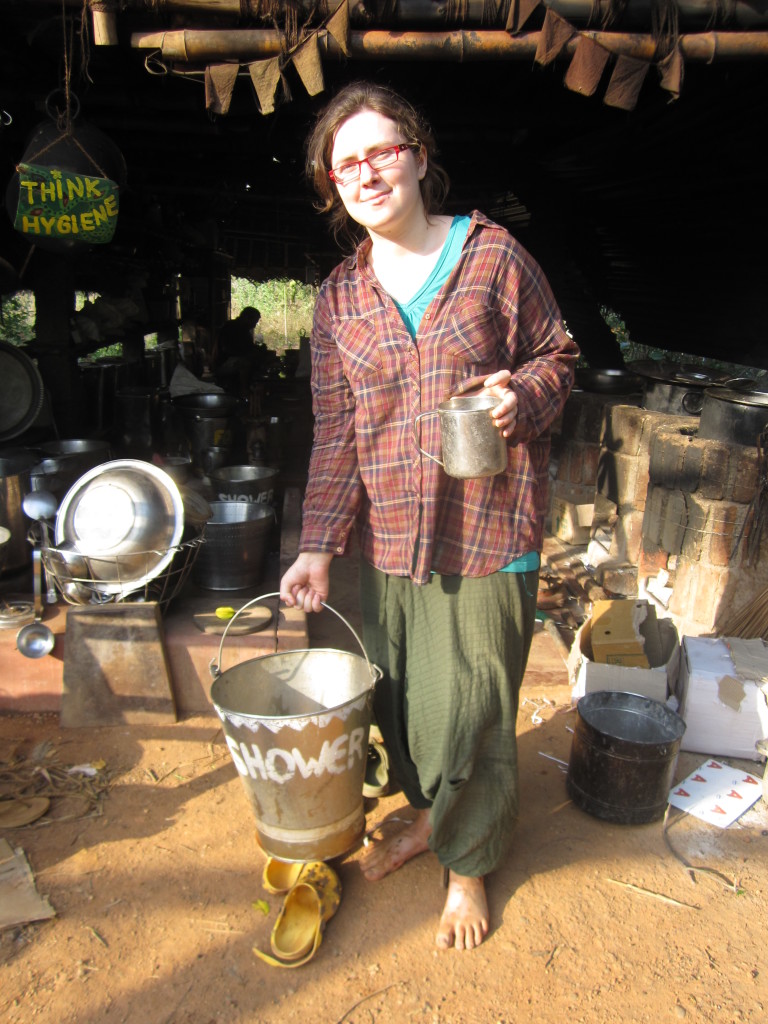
(555, 33)
(626, 82)
(265, 75)
(219, 84)
(586, 68)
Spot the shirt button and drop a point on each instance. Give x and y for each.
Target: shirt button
(340, 550)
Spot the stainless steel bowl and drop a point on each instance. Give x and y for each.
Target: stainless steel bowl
(127, 518)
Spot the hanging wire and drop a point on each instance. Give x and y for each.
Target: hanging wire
(67, 72)
(85, 43)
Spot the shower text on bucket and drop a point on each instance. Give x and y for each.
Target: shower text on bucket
(279, 765)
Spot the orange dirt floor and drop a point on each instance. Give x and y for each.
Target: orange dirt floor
(156, 887)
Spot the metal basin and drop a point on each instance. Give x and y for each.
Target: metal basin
(126, 517)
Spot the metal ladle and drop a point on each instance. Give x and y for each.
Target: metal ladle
(35, 640)
(42, 507)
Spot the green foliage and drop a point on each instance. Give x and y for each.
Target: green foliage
(17, 318)
(286, 308)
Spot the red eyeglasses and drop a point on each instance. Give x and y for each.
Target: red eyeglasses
(350, 171)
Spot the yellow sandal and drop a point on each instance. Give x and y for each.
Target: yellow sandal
(280, 876)
(307, 908)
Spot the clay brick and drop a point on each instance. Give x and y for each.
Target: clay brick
(564, 464)
(714, 471)
(674, 521)
(639, 494)
(725, 524)
(666, 464)
(618, 579)
(710, 583)
(651, 559)
(653, 512)
(617, 477)
(607, 471)
(623, 429)
(575, 463)
(696, 530)
(591, 422)
(590, 460)
(744, 470)
(627, 539)
(690, 474)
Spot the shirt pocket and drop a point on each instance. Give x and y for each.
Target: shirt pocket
(474, 334)
(356, 340)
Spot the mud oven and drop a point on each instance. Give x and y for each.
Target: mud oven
(678, 517)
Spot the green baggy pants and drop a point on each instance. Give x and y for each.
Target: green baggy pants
(453, 654)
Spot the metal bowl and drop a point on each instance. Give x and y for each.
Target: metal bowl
(126, 517)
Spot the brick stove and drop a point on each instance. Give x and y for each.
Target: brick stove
(669, 507)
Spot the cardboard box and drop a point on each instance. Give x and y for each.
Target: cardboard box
(725, 712)
(625, 632)
(571, 520)
(657, 682)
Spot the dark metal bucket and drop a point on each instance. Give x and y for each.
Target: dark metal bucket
(245, 483)
(623, 757)
(236, 542)
(297, 725)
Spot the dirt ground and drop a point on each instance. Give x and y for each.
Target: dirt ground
(157, 886)
(155, 917)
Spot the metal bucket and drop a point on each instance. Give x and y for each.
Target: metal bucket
(64, 462)
(15, 481)
(236, 541)
(245, 483)
(623, 757)
(297, 725)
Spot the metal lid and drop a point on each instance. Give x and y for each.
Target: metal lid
(754, 398)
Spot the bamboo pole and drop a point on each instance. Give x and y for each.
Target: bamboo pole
(695, 13)
(200, 47)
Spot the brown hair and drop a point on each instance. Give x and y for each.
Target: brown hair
(413, 127)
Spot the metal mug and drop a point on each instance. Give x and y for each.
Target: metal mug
(472, 446)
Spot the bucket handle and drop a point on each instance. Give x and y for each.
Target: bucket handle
(215, 666)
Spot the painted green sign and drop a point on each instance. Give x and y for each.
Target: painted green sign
(65, 205)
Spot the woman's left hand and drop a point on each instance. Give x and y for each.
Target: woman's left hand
(504, 414)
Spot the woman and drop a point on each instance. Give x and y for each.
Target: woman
(449, 567)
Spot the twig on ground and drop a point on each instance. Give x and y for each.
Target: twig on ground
(654, 895)
(365, 999)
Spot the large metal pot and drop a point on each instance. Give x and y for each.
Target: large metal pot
(15, 481)
(215, 404)
(608, 381)
(675, 398)
(675, 388)
(63, 462)
(210, 426)
(737, 417)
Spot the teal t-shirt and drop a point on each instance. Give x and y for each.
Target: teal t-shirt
(413, 310)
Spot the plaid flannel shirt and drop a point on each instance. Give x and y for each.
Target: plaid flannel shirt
(370, 379)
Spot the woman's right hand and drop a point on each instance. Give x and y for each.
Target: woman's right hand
(306, 584)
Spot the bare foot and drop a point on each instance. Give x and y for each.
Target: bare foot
(464, 923)
(388, 854)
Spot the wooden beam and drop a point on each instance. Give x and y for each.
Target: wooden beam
(187, 46)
